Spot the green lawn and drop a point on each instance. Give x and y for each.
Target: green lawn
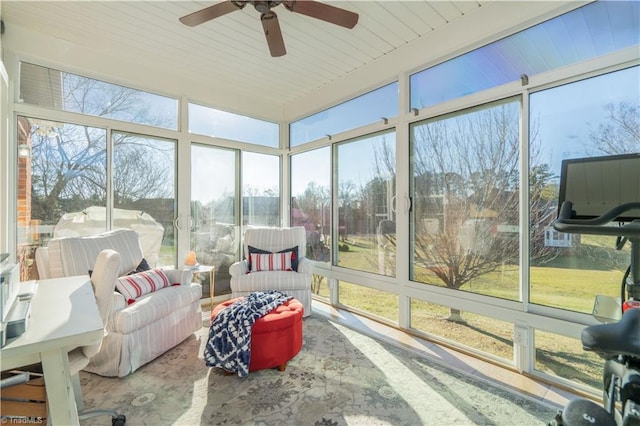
(569, 282)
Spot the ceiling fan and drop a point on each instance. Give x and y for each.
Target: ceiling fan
(270, 25)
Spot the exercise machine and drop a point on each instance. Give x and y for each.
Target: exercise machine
(607, 194)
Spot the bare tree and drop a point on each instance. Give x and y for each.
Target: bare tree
(543, 199)
(346, 200)
(620, 134)
(312, 210)
(466, 186)
(312, 204)
(69, 162)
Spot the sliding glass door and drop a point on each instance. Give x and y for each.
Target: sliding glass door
(144, 193)
(215, 220)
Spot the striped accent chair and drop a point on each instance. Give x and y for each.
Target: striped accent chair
(136, 331)
(273, 240)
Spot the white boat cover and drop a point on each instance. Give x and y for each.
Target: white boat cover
(92, 221)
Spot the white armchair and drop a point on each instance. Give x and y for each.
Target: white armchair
(293, 283)
(138, 332)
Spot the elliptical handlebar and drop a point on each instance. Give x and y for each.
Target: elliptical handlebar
(565, 223)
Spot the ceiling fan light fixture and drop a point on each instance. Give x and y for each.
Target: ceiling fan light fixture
(262, 6)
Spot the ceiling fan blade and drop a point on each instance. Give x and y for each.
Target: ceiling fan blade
(324, 11)
(211, 12)
(273, 34)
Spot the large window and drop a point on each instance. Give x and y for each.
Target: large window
(357, 112)
(61, 170)
(311, 200)
(365, 184)
(593, 117)
(478, 332)
(565, 357)
(381, 304)
(311, 207)
(64, 188)
(593, 30)
(260, 189)
(215, 222)
(221, 124)
(61, 90)
(464, 222)
(144, 182)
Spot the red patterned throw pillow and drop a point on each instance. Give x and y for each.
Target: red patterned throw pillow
(293, 250)
(271, 262)
(136, 285)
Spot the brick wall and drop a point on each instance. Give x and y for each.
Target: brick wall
(25, 250)
(24, 175)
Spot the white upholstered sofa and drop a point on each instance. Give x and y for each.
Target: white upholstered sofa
(293, 283)
(139, 332)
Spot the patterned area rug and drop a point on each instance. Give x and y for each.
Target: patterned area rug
(340, 377)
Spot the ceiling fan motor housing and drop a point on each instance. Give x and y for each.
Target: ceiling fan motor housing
(264, 6)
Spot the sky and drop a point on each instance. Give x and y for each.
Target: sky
(567, 114)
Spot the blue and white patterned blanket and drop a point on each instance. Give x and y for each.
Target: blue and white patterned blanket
(229, 344)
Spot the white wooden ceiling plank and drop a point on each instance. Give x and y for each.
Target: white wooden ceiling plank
(332, 75)
(329, 51)
(55, 18)
(243, 45)
(410, 19)
(465, 6)
(220, 36)
(26, 17)
(312, 56)
(274, 63)
(204, 33)
(365, 41)
(338, 43)
(92, 22)
(368, 32)
(382, 13)
(148, 48)
(447, 10)
(376, 25)
(427, 13)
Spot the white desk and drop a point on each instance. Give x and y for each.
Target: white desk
(64, 315)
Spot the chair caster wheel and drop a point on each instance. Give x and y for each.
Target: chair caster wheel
(557, 420)
(119, 421)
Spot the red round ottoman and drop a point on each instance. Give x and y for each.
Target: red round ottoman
(276, 337)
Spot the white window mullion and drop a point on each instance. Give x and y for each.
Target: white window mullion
(523, 333)
(402, 203)
(109, 188)
(183, 218)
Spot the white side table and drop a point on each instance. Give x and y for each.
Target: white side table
(203, 269)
